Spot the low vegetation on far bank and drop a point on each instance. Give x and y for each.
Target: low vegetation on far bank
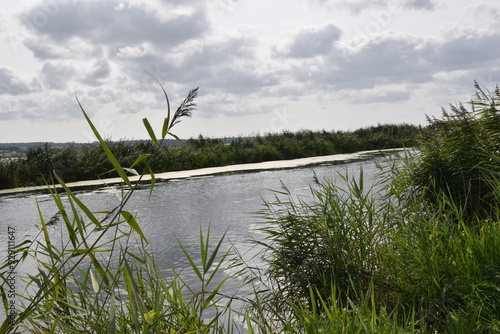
(88, 162)
(418, 252)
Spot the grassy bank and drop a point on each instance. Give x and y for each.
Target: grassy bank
(409, 254)
(88, 162)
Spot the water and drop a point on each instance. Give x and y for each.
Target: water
(178, 209)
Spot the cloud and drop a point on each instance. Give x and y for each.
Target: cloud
(44, 48)
(311, 41)
(12, 83)
(380, 60)
(381, 96)
(466, 52)
(115, 23)
(57, 74)
(395, 58)
(99, 71)
(109, 51)
(357, 6)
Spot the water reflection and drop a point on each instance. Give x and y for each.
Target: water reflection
(177, 210)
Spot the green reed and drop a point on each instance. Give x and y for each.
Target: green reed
(399, 256)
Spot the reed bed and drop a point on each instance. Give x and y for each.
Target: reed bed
(77, 162)
(417, 252)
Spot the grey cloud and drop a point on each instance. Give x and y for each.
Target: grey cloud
(12, 84)
(392, 59)
(100, 70)
(44, 48)
(402, 59)
(106, 22)
(18, 108)
(421, 4)
(382, 97)
(8, 115)
(466, 52)
(311, 42)
(198, 65)
(237, 81)
(57, 75)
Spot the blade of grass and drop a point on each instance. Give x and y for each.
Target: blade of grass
(153, 182)
(150, 131)
(82, 206)
(132, 222)
(140, 158)
(191, 261)
(105, 147)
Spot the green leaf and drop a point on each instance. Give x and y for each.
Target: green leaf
(191, 261)
(214, 253)
(105, 147)
(165, 127)
(131, 171)
(82, 206)
(166, 121)
(112, 315)
(95, 283)
(150, 131)
(44, 228)
(130, 219)
(140, 158)
(177, 138)
(213, 293)
(153, 182)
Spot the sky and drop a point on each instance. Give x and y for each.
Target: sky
(261, 66)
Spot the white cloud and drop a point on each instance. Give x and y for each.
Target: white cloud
(357, 6)
(311, 58)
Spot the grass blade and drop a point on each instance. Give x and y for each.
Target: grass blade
(150, 131)
(106, 149)
(153, 182)
(140, 158)
(132, 222)
(191, 262)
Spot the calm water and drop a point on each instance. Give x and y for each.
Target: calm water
(177, 209)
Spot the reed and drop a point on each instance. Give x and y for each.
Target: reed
(400, 256)
(77, 162)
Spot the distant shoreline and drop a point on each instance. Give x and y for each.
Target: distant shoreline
(238, 168)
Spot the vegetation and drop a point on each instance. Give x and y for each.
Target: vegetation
(76, 162)
(406, 255)
(422, 248)
(460, 154)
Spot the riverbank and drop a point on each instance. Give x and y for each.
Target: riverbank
(238, 168)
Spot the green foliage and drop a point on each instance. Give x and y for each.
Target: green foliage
(86, 162)
(90, 280)
(429, 251)
(459, 155)
(329, 243)
(401, 256)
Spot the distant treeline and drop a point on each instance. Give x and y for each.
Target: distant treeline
(76, 162)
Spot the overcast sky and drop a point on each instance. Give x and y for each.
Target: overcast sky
(262, 66)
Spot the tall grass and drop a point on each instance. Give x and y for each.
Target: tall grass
(426, 251)
(100, 278)
(460, 155)
(86, 162)
(399, 256)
